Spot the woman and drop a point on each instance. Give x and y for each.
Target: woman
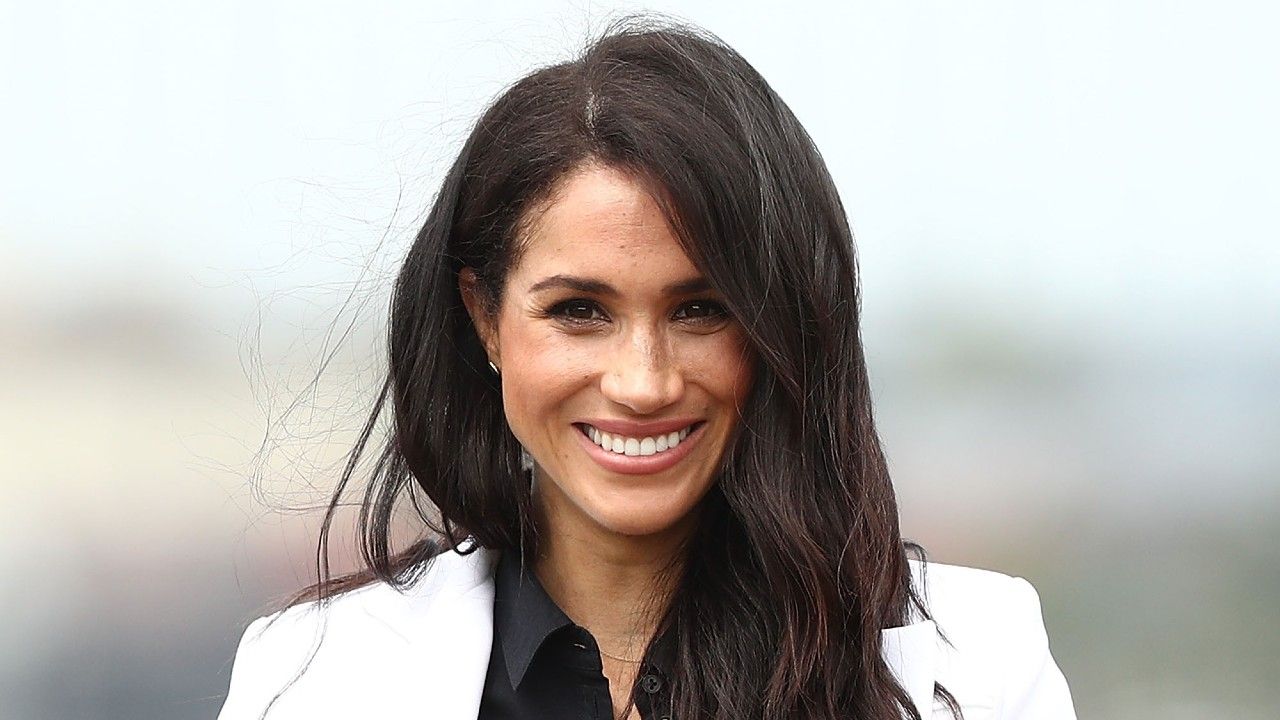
(626, 377)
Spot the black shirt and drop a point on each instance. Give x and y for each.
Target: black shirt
(544, 666)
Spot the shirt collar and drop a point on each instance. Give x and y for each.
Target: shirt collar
(525, 617)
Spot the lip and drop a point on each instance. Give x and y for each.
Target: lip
(640, 464)
(640, 429)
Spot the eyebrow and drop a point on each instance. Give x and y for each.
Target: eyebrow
(600, 287)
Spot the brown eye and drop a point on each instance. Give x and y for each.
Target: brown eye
(702, 311)
(577, 310)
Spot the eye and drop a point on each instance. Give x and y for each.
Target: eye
(577, 310)
(708, 311)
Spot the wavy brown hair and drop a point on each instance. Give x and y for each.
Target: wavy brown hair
(798, 563)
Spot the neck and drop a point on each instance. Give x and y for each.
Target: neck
(614, 585)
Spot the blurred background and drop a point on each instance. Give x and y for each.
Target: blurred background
(1067, 229)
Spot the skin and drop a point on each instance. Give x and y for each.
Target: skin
(642, 354)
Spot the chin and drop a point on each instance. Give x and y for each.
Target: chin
(639, 525)
(643, 515)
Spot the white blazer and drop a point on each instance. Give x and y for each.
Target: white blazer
(423, 653)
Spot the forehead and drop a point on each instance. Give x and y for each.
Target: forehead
(602, 220)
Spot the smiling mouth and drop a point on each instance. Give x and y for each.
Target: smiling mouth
(637, 446)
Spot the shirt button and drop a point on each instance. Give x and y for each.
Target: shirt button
(650, 684)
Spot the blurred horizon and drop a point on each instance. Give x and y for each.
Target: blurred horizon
(1068, 251)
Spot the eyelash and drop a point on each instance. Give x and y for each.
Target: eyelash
(558, 311)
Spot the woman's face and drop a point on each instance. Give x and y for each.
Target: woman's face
(622, 373)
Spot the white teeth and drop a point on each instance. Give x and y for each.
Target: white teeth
(636, 446)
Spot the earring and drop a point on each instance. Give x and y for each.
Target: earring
(494, 368)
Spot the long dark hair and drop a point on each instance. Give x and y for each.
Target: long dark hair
(798, 563)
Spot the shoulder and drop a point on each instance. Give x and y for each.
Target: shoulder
(966, 599)
(312, 650)
(993, 646)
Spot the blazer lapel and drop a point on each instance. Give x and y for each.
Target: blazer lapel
(450, 631)
(910, 653)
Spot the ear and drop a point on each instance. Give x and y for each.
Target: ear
(472, 298)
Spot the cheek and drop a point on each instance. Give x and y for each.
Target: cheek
(725, 368)
(540, 371)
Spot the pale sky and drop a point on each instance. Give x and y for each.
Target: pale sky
(1087, 157)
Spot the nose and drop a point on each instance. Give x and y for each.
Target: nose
(642, 374)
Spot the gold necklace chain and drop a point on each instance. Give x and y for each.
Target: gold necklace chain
(615, 657)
